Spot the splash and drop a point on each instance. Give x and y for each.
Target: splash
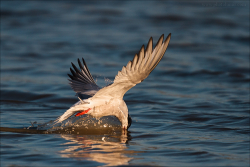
(108, 81)
(86, 125)
(83, 123)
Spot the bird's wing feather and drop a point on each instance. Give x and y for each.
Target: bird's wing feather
(81, 81)
(136, 70)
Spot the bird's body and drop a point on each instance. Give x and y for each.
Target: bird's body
(109, 100)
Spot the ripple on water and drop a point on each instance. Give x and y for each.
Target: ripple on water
(193, 109)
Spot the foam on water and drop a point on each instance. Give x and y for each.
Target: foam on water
(85, 122)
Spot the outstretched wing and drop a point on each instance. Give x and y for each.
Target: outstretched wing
(136, 70)
(81, 81)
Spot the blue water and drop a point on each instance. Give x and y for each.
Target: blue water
(193, 109)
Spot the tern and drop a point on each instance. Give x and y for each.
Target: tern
(108, 100)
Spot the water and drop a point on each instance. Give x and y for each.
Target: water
(193, 109)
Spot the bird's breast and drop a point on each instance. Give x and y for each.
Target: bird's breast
(105, 108)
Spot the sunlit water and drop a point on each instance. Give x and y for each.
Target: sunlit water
(193, 109)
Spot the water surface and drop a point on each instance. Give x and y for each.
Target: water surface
(193, 109)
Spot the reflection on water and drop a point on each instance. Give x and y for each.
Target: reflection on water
(193, 110)
(110, 150)
(100, 145)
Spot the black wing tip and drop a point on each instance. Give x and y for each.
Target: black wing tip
(71, 77)
(80, 64)
(73, 65)
(72, 71)
(83, 61)
(78, 60)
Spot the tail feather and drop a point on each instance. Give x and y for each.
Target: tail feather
(71, 111)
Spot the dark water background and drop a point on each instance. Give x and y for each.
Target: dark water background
(193, 109)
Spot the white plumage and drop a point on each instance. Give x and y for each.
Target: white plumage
(109, 100)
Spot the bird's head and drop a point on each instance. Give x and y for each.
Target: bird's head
(123, 116)
(126, 122)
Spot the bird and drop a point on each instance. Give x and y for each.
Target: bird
(108, 101)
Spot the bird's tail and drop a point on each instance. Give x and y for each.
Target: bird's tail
(71, 111)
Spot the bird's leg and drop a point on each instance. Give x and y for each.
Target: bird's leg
(82, 112)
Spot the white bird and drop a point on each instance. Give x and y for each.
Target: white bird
(109, 100)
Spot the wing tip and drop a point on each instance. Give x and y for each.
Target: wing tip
(71, 77)
(142, 48)
(162, 37)
(150, 44)
(167, 40)
(168, 37)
